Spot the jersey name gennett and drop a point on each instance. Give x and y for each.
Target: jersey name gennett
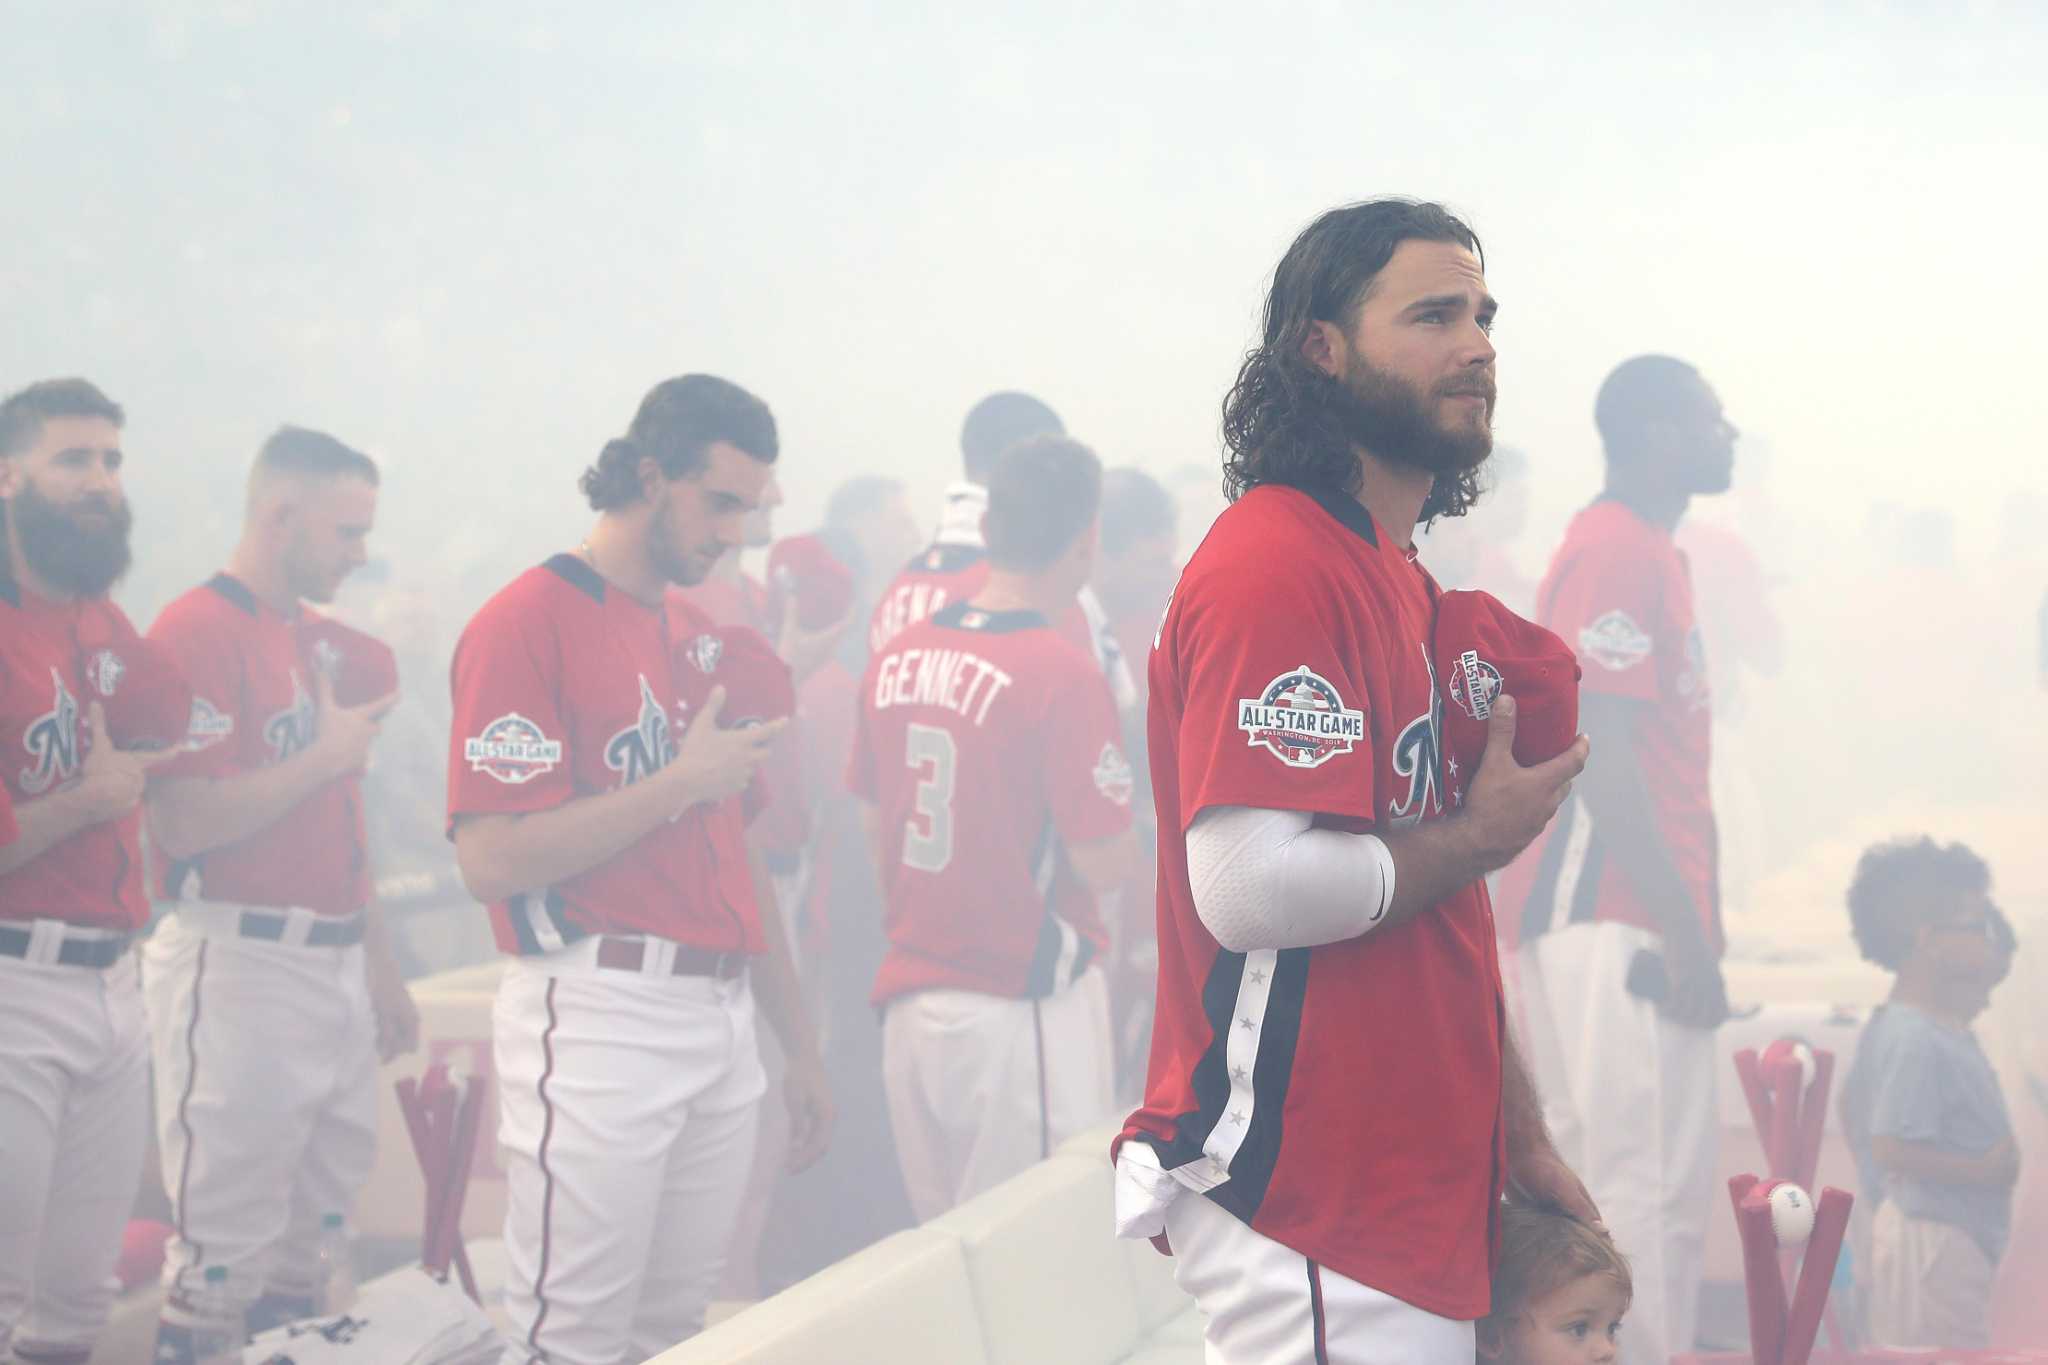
(954, 679)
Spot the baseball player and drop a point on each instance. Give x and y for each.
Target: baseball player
(956, 562)
(74, 1061)
(999, 809)
(593, 796)
(1333, 1105)
(271, 984)
(1616, 911)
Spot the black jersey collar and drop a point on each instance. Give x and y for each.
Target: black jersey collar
(967, 616)
(235, 590)
(1349, 512)
(577, 573)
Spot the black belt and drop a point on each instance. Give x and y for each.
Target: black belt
(97, 953)
(630, 955)
(325, 932)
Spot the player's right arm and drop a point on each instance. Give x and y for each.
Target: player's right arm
(110, 783)
(1266, 869)
(1274, 879)
(1611, 584)
(503, 855)
(191, 815)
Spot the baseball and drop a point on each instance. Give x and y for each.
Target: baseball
(1791, 1214)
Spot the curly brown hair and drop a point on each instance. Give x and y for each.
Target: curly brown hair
(1284, 419)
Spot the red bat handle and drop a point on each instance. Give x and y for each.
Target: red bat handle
(1782, 1147)
(1813, 1118)
(1767, 1309)
(1750, 1073)
(1816, 1275)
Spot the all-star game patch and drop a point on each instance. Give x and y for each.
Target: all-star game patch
(1474, 685)
(1113, 776)
(1301, 720)
(512, 749)
(1615, 642)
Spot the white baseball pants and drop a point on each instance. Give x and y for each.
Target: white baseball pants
(74, 1116)
(266, 1100)
(627, 1112)
(1629, 1097)
(1266, 1303)
(980, 1086)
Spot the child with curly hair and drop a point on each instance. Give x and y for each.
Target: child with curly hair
(1922, 1107)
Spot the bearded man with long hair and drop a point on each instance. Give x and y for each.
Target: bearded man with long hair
(1333, 1106)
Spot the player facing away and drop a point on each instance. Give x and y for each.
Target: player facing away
(1333, 1104)
(999, 809)
(1614, 916)
(956, 562)
(594, 800)
(74, 1053)
(272, 989)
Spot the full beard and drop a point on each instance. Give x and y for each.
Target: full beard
(1393, 420)
(76, 559)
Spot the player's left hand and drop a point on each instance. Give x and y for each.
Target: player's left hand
(808, 1093)
(1540, 1176)
(398, 1017)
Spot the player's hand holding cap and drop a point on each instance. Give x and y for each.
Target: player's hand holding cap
(1480, 650)
(758, 686)
(146, 700)
(803, 568)
(361, 668)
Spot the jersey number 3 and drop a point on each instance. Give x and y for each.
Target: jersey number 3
(932, 754)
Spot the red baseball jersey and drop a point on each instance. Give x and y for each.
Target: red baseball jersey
(566, 687)
(938, 576)
(1345, 1100)
(253, 705)
(1620, 593)
(989, 745)
(56, 659)
(9, 831)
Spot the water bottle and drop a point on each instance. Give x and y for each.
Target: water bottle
(217, 1333)
(337, 1266)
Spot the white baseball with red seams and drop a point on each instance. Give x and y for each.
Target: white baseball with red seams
(1791, 1213)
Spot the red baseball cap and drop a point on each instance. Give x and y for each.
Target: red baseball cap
(1480, 650)
(758, 686)
(148, 702)
(361, 667)
(803, 567)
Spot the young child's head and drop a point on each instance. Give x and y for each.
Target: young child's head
(1925, 908)
(1559, 1292)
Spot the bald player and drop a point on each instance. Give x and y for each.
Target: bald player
(1615, 914)
(74, 1062)
(1000, 814)
(272, 988)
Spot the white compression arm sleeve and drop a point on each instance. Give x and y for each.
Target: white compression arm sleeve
(1267, 879)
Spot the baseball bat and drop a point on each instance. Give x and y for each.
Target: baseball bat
(1750, 1073)
(1813, 1118)
(1816, 1275)
(1782, 1147)
(1767, 1307)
